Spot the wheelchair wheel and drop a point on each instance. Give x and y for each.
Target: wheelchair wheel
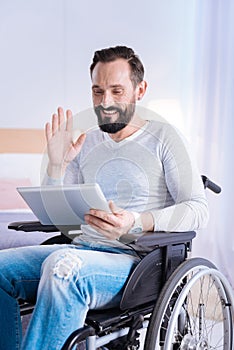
(194, 310)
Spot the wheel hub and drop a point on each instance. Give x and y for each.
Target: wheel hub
(202, 345)
(189, 343)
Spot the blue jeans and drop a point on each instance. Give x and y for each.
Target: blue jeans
(65, 281)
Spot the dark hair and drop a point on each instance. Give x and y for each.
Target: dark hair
(113, 53)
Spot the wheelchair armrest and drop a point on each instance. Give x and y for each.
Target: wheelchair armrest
(147, 240)
(30, 226)
(162, 239)
(151, 240)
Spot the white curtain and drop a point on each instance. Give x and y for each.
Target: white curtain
(210, 121)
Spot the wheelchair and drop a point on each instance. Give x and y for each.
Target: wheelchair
(177, 302)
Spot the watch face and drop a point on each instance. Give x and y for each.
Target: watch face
(136, 229)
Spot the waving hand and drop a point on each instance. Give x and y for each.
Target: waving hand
(60, 146)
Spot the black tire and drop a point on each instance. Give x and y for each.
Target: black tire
(195, 286)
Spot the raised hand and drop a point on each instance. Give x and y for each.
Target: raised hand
(60, 146)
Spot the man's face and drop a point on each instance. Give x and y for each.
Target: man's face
(114, 96)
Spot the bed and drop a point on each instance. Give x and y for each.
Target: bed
(20, 166)
(11, 238)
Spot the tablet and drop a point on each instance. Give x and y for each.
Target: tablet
(63, 205)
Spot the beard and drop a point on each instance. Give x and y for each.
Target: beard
(124, 117)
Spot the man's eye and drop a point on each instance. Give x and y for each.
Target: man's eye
(97, 92)
(117, 91)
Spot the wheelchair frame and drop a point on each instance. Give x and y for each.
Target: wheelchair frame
(181, 303)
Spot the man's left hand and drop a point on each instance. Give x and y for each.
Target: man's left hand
(112, 225)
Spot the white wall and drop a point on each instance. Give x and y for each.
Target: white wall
(47, 46)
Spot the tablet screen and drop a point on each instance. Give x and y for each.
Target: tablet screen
(65, 204)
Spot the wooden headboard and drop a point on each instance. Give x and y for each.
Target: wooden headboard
(22, 141)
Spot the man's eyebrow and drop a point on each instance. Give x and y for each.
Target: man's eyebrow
(117, 86)
(95, 86)
(111, 86)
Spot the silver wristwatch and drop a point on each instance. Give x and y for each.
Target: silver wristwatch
(137, 226)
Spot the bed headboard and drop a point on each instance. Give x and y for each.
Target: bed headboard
(22, 141)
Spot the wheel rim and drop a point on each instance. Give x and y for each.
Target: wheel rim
(207, 316)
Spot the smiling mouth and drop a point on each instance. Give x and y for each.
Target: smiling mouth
(109, 113)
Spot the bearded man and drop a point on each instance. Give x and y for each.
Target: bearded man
(145, 172)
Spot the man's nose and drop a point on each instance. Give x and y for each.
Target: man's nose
(107, 99)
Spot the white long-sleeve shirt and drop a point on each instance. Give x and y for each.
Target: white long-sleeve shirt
(152, 170)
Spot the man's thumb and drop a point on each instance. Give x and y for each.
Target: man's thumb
(114, 209)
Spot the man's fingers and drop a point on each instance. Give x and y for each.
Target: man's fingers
(103, 227)
(79, 142)
(104, 216)
(61, 123)
(69, 123)
(48, 132)
(54, 123)
(98, 222)
(58, 121)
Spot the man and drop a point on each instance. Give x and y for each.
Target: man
(146, 173)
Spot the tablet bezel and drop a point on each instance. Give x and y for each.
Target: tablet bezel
(63, 204)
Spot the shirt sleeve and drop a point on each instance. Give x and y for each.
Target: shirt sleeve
(50, 181)
(184, 183)
(72, 176)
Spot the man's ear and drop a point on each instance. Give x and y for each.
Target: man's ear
(141, 89)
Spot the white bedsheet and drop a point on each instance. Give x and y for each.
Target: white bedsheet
(12, 238)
